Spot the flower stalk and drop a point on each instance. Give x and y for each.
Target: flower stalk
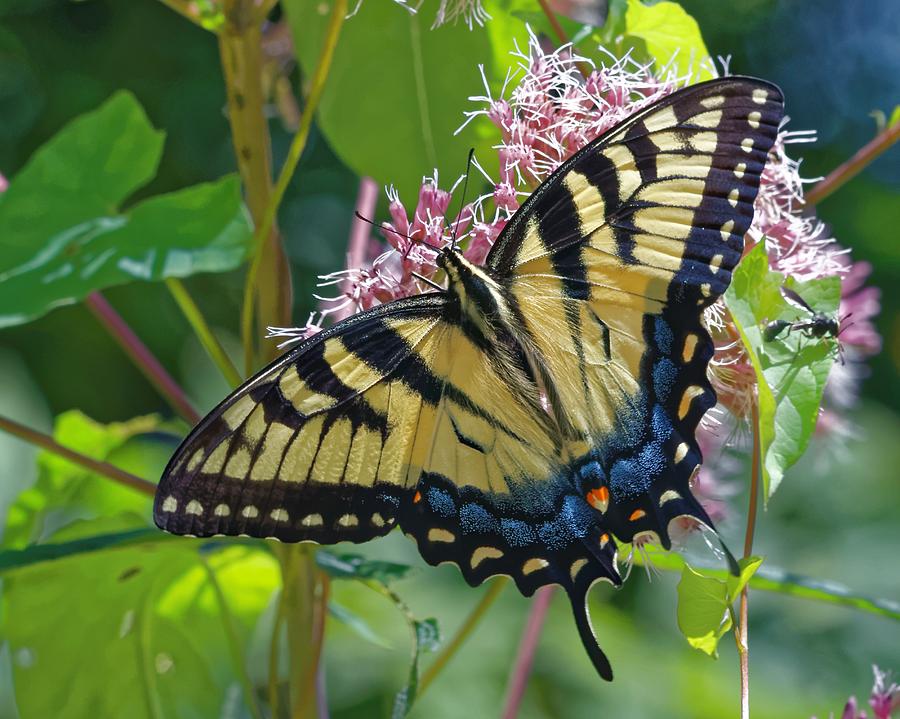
(518, 679)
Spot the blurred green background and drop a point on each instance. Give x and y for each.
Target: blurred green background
(834, 519)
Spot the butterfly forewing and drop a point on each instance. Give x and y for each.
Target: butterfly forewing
(317, 446)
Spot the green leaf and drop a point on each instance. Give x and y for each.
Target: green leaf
(62, 231)
(353, 566)
(426, 638)
(704, 603)
(668, 34)
(790, 371)
(397, 90)
(895, 117)
(357, 624)
(156, 646)
(65, 492)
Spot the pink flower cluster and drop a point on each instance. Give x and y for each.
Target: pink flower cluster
(884, 698)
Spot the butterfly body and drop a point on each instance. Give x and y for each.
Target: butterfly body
(540, 408)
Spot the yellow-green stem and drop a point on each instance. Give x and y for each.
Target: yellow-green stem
(274, 653)
(234, 644)
(240, 48)
(463, 633)
(196, 320)
(298, 576)
(264, 226)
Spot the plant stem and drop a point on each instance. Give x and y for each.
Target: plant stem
(234, 645)
(240, 48)
(196, 320)
(102, 468)
(320, 614)
(463, 633)
(583, 67)
(856, 164)
(142, 357)
(741, 629)
(298, 572)
(518, 679)
(366, 198)
(554, 22)
(274, 647)
(266, 222)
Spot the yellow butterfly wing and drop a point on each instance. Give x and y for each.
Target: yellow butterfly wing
(611, 264)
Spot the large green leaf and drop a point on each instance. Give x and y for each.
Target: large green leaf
(65, 492)
(662, 32)
(397, 90)
(669, 35)
(135, 631)
(63, 234)
(704, 603)
(790, 371)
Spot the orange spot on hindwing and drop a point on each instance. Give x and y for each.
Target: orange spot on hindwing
(637, 514)
(598, 498)
(417, 497)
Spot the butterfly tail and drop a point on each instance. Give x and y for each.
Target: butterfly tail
(579, 601)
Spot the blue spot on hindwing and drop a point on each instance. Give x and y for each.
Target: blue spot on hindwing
(652, 460)
(473, 518)
(664, 375)
(591, 474)
(661, 424)
(441, 502)
(663, 336)
(517, 533)
(628, 479)
(572, 523)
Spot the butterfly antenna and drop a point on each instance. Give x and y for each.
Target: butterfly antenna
(414, 240)
(454, 236)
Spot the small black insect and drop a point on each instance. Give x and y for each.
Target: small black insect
(818, 326)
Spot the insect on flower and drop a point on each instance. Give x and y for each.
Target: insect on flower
(818, 325)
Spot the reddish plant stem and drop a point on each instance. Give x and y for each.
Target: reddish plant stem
(741, 630)
(856, 164)
(554, 22)
(583, 67)
(51, 445)
(518, 679)
(360, 234)
(142, 357)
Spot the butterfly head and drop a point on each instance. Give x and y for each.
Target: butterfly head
(480, 298)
